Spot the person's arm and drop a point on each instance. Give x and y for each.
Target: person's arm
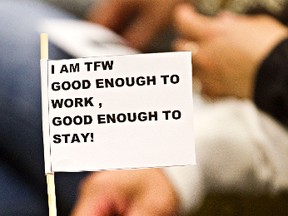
(236, 153)
(271, 88)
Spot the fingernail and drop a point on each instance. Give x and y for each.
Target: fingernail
(183, 12)
(191, 46)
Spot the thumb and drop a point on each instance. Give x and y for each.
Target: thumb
(191, 24)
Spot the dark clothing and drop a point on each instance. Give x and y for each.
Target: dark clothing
(271, 91)
(22, 177)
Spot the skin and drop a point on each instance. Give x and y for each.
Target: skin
(138, 21)
(227, 51)
(127, 193)
(228, 48)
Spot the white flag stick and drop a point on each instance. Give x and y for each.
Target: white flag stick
(44, 54)
(51, 194)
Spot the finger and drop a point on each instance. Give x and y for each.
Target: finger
(112, 14)
(185, 45)
(210, 88)
(190, 23)
(143, 29)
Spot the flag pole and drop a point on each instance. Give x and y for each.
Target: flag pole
(51, 194)
(44, 55)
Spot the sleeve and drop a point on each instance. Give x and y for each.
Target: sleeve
(188, 184)
(271, 87)
(239, 150)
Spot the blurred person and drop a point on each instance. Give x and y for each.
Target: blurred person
(23, 187)
(22, 176)
(239, 148)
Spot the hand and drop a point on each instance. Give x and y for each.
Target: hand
(138, 21)
(228, 48)
(127, 193)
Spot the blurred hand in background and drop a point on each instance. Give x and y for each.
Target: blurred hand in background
(127, 193)
(227, 49)
(138, 21)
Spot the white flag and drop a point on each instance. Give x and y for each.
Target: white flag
(117, 112)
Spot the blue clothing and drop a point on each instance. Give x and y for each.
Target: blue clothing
(22, 178)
